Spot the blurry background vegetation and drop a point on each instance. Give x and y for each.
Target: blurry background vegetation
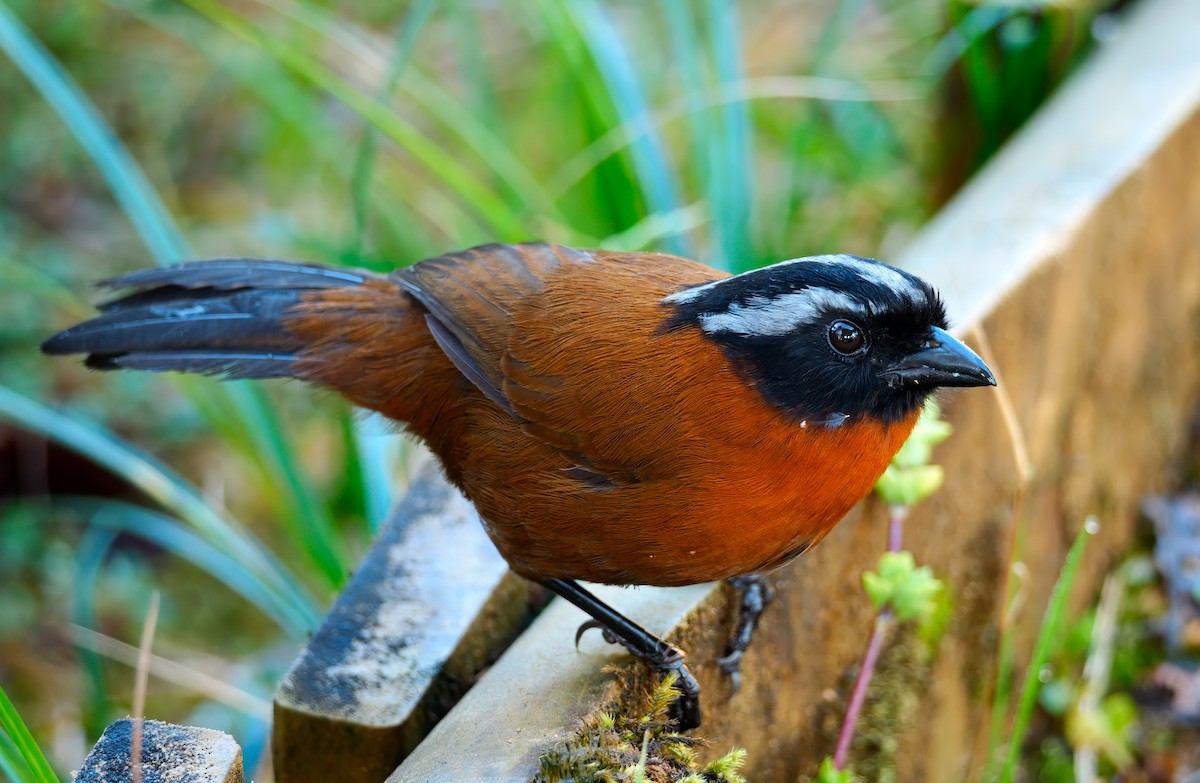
(377, 133)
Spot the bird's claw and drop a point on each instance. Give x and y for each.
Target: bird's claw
(668, 659)
(755, 595)
(731, 664)
(685, 710)
(609, 636)
(664, 658)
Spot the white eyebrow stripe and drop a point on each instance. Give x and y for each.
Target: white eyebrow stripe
(875, 273)
(881, 275)
(691, 294)
(780, 315)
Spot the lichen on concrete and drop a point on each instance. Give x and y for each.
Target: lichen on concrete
(401, 616)
(170, 754)
(408, 635)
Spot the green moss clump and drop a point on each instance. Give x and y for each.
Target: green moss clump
(646, 749)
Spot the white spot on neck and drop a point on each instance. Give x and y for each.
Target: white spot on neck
(832, 421)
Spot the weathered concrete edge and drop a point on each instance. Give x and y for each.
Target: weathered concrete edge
(179, 754)
(537, 693)
(413, 628)
(1032, 205)
(402, 613)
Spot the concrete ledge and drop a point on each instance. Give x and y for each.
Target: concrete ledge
(537, 693)
(169, 753)
(1078, 253)
(430, 606)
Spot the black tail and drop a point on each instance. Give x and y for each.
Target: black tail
(220, 317)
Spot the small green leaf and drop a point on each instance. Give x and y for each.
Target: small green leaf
(1106, 729)
(879, 590)
(900, 584)
(929, 432)
(910, 478)
(1121, 711)
(908, 486)
(828, 773)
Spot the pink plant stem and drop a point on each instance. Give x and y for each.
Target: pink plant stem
(896, 527)
(859, 695)
(883, 621)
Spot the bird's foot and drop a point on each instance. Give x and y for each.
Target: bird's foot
(618, 629)
(667, 659)
(755, 595)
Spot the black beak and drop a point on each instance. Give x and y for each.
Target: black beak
(943, 361)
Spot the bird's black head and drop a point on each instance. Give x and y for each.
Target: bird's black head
(831, 335)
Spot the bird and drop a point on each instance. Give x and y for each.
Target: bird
(627, 418)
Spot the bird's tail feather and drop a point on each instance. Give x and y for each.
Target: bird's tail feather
(222, 317)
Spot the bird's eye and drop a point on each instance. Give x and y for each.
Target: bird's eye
(846, 337)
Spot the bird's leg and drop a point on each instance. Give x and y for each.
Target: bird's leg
(664, 658)
(755, 595)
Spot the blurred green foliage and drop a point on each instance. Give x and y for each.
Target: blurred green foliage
(376, 134)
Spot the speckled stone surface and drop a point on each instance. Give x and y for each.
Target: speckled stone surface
(431, 604)
(170, 754)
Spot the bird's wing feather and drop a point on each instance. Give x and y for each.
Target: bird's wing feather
(590, 371)
(565, 341)
(471, 297)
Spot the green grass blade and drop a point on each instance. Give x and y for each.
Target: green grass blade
(35, 761)
(731, 188)
(371, 461)
(1001, 698)
(125, 177)
(90, 554)
(872, 137)
(1005, 655)
(655, 175)
(482, 81)
(460, 121)
(36, 282)
(649, 231)
(248, 406)
(12, 765)
(169, 534)
(978, 22)
(825, 89)
(304, 114)
(834, 32)
(162, 485)
(681, 24)
(503, 220)
(245, 417)
(377, 458)
(1051, 625)
(477, 130)
(364, 163)
(312, 526)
